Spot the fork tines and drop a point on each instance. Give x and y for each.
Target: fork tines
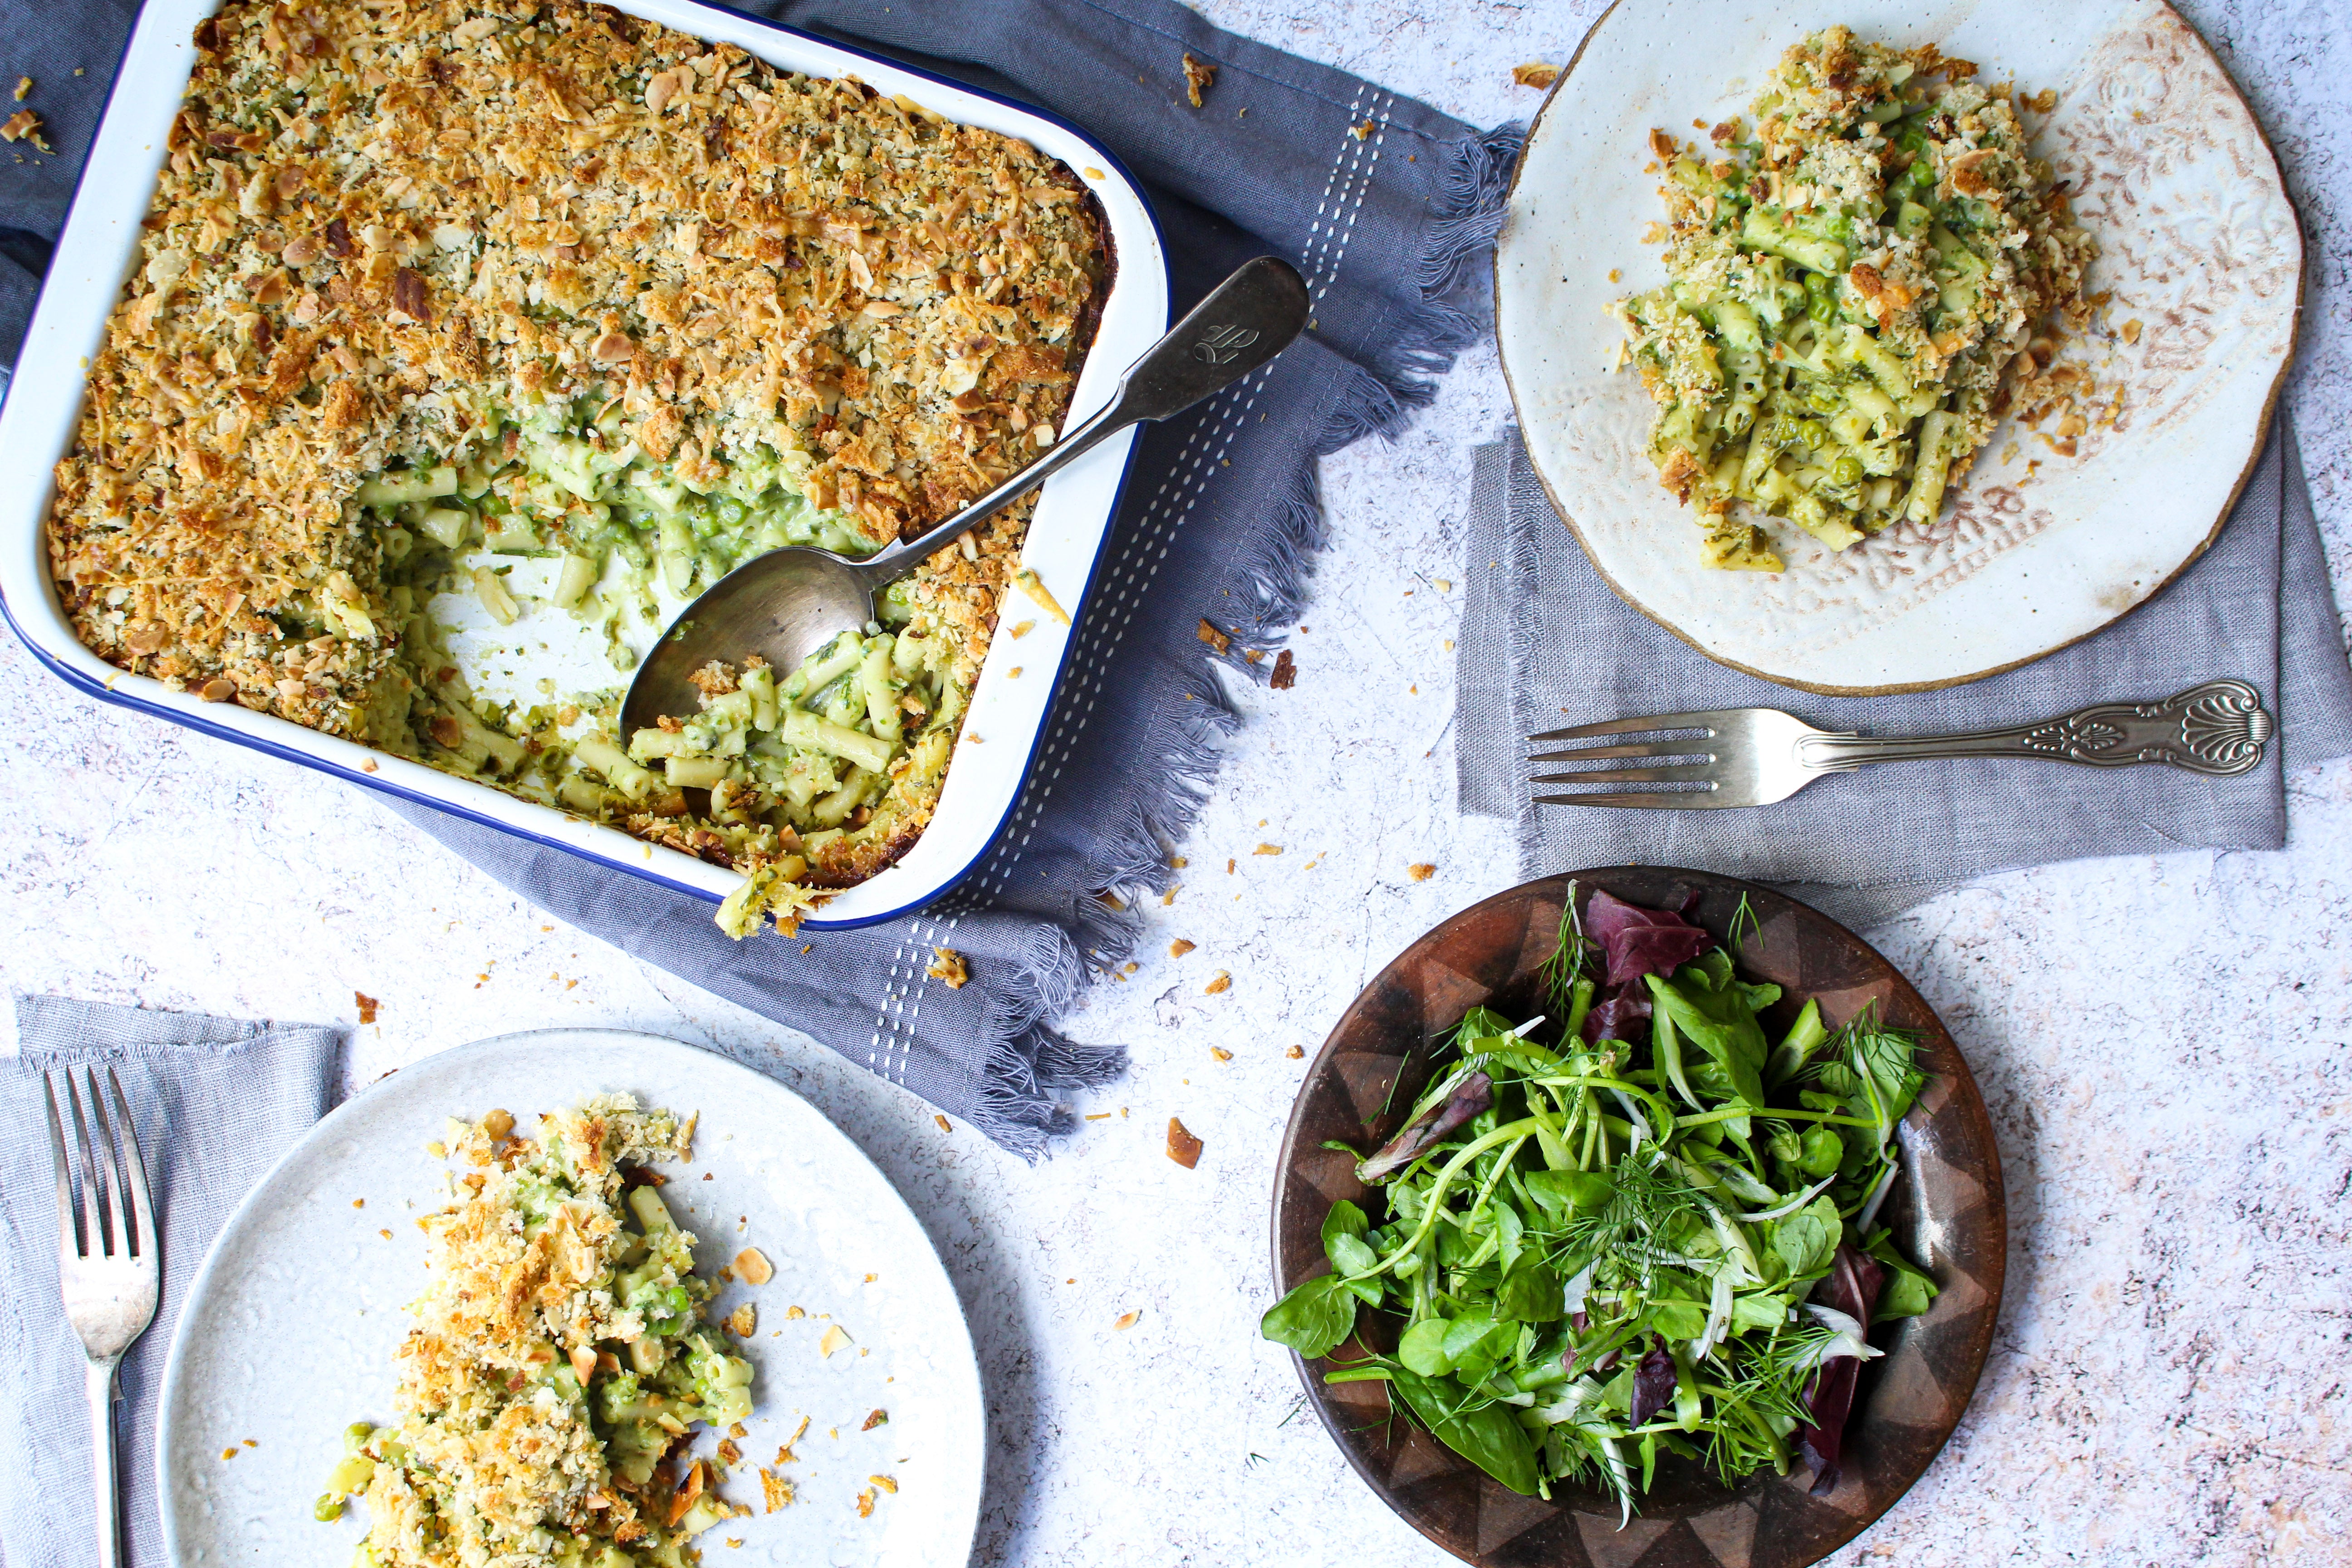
(112, 1218)
(1694, 732)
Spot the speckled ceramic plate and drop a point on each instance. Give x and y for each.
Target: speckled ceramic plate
(288, 1331)
(1947, 1212)
(2198, 244)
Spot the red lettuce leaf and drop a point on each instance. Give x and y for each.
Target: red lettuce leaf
(1634, 943)
(1471, 1096)
(1850, 1287)
(1654, 1383)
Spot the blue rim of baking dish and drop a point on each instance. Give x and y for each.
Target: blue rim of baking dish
(88, 687)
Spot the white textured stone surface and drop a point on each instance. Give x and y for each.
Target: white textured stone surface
(2161, 1041)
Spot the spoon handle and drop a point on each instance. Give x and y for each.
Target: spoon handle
(1244, 321)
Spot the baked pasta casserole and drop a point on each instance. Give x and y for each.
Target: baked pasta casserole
(1862, 275)
(515, 310)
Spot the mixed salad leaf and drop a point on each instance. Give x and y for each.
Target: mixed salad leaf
(1642, 1227)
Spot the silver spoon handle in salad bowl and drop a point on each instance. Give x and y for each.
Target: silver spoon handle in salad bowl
(1243, 322)
(2219, 727)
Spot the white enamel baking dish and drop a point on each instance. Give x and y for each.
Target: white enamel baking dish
(1066, 537)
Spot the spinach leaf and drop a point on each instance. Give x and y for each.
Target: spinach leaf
(1719, 1021)
(1530, 1293)
(1758, 1311)
(1820, 1151)
(1489, 1437)
(1677, 1318)
(1908, 1289)
(1566, 1193)
(1422, 1348)
(1313, 1319)
(1475, 1343)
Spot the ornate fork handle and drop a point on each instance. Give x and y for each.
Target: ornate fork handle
(2219, 727)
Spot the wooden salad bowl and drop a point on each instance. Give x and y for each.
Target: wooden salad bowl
(1948, 1211)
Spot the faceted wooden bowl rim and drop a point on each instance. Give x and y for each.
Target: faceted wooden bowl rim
(1949, 1210)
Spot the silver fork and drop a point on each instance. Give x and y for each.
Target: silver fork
(1754, 756)
(108, 1267)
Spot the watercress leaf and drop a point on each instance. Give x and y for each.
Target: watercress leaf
(1566, 1193)
(1820, 1153)
(1422, 1348)
(1490, 1436)
(1530, 1293)
(1313, 1319)
(1344, 1219)
(1806, 1241)
(1350, 1255)
(1758, 1309)
(1368, 1291)
(1677, 1318)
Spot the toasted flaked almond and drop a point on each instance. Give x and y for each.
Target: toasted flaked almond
(883, 310)
(219, 689)
(301, 251)
(1127, 1319)
(614, 348)
(1182, 1147)
(753, 1268)
(1535, 73)
(584, 1362)
(834, 1340)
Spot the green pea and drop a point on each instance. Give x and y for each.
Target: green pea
(1812, 433)
(1822, 402)
(1817, 286)
(328, 1509)
(1821, 309)
(1846, 472)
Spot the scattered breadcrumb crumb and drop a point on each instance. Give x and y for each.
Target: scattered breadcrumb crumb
(792, 1314)
(945, 1125)
(1420, 870)
(866, 1503)
(753, 1268)
(947, 966)
(876, 1418)
(1267, 849)
(1223, 982)
(1179, 947)
(25, 125)
(367, 1006)
(24, 88)
(1199, 75)
(1023, 630)
(1127, 1319)
(1535, 73)
(1213, 637)
(2131, 330)
(1361, 133)
(777, 1491)
(1222, 1053)
(743, 1320)
(888, 1483)
(1286, 671)
(1294, 1052)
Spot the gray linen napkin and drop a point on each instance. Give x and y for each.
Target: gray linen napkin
(1545, 646)
(216, 1103)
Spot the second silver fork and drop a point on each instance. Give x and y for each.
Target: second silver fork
(1754, 756)
(109, 1268)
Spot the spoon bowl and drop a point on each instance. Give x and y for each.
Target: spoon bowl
(788, 604)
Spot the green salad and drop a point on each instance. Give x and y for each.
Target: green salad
(1646, 1229)
(1859, 277)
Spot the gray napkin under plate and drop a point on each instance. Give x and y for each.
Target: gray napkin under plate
(216, 1103)
(1546, 646)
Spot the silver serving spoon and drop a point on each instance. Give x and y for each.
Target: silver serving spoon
(789, 603)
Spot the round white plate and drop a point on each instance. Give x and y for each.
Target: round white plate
(288, 1331)
(2198, 244)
